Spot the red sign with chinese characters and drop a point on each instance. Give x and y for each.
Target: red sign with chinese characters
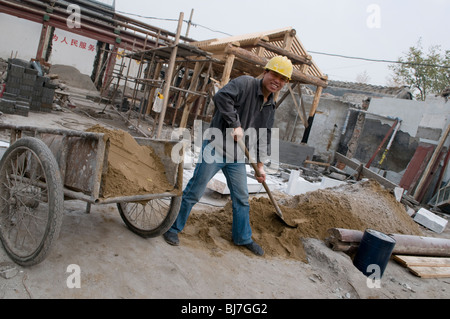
(74, 42)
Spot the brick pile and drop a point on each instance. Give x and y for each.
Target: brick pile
(26, 89)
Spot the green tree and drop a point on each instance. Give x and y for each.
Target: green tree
(424, 73)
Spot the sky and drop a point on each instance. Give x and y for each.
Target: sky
(375, 29)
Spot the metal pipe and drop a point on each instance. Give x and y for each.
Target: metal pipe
(382, 143)
(389, 144)
(344, 127)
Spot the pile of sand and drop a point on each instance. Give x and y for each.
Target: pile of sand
(132, 169)
(72, 77)
(359, 206)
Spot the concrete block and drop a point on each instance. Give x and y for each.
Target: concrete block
(298, 185)
(431, 221)
(23, 63)
(398, 192)
(16, 71)
(330, 182)
(410, 211)
(292, 181)
(10, 87)
(219, 184)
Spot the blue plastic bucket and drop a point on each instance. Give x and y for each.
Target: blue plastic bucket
(374, 252)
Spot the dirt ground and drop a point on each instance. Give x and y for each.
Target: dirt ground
(116, 263)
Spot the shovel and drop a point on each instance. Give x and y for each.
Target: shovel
(274, 203)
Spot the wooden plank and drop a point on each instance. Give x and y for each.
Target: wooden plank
(316, 163)
(430, 272)
(365, 171)
(409, 261)
(299, 112)
(434, 158)
(416, 166)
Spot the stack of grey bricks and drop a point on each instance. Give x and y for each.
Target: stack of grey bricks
(26, 90)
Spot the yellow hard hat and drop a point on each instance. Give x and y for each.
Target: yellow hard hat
(281, 65)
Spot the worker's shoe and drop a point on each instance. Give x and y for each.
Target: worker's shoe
(171, 238)
(255, 248)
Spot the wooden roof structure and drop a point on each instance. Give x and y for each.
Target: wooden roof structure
(249, 53)
(258, 48)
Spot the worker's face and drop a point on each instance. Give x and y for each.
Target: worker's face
(273, 82)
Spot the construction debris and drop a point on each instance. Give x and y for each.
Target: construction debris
(430, 220)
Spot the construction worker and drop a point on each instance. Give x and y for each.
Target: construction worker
(245, 102)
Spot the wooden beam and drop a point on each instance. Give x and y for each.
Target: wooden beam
(305, 123)
(285, 95)
(430, 272)
(289, 39)
(316, 100)
(312, 114)
(422, 261)
(302, 103)
(295, 59)
(227, 69)
(365, 171)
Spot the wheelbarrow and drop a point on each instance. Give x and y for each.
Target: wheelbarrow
(42, 167)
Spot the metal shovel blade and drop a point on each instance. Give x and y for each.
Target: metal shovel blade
(273, 201)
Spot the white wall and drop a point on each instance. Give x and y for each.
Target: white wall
(22, 36)
(433, 113)
(74, 50)
(18, 35)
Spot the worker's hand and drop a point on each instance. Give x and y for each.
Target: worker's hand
(260, 174)
(237, 133)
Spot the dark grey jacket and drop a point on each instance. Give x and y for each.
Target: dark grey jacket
(241, 103)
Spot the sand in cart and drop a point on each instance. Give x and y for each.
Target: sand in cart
(132, 169)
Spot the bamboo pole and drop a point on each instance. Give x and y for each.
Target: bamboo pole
(305, 123)
(192, 87)
(227, 70)
(169, 73)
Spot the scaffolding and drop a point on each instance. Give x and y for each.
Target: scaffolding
(182, 73)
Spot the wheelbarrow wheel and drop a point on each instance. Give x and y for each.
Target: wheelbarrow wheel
(31, 201)
(152, 218)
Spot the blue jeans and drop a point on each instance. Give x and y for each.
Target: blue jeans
(236, 176)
